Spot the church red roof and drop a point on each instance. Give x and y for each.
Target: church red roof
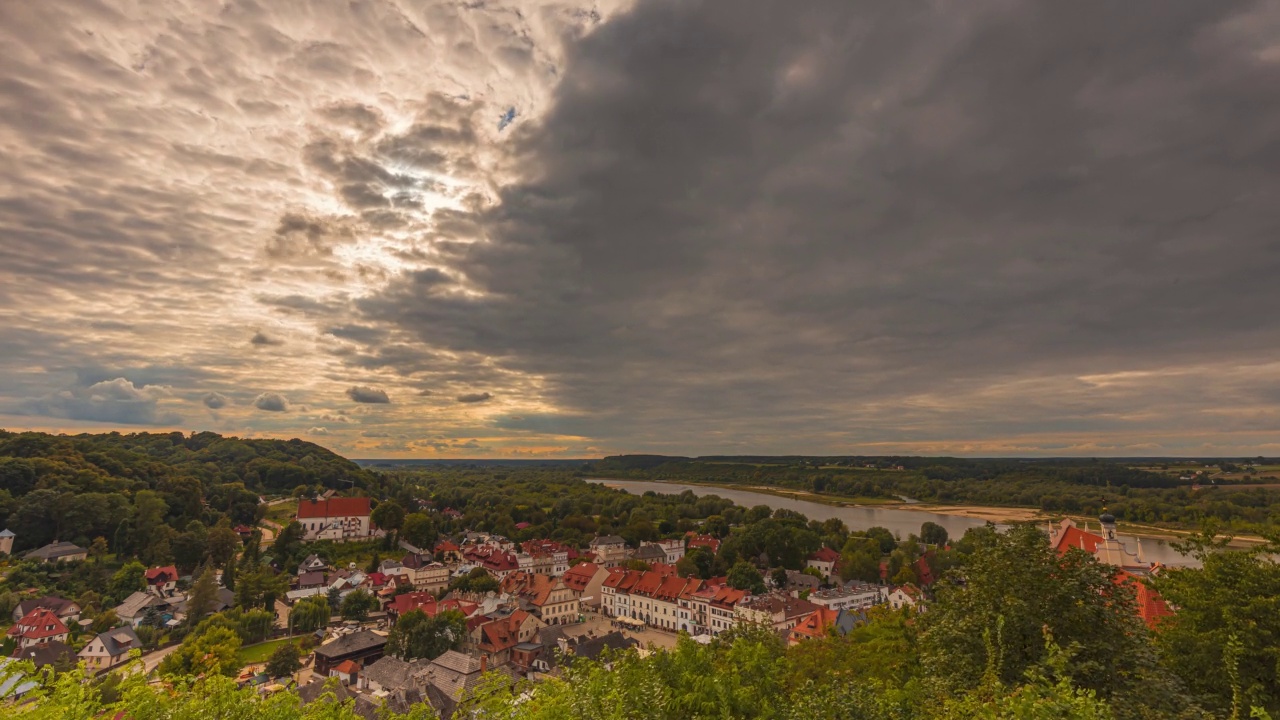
(334, 507)
(1074, 537)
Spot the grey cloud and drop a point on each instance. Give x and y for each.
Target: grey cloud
(474, 397)
(368, 395)
(215, 401)
(260, 338)
(318, 431)
(737, 217)
(271, 402)
(109, 401)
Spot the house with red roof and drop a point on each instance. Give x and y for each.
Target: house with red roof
(546, 597)
(1109, 549)
(38, 627)
(703, 541)
(814, 625)
(586, 580)
(162, 581)
(824, 561)
(404, 602)
(495, 640)
(336, 518)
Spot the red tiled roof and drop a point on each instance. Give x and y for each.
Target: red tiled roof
(403, 603)
(38, 624)
(1151, 607)
(580, 575)
(347, 667)
(705, 541)
(333, 507)
(446, 546)
(815, 624)
(165, 574)
(1074, 537)
(825, 554)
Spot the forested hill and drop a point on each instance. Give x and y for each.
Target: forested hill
(80, 487)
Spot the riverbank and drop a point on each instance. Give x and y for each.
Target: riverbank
(1001, 515)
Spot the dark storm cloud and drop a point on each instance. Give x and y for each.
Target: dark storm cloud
(271, 402)
(368, 395)
(215, 401)
(474, 397)
(260, 338)
(745, 214)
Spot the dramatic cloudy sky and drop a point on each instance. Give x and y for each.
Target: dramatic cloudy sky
(578, 227)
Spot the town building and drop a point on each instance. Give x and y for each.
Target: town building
(780, 612)
(68, 611)
(38, 627)
(6, 541)
(854, 596)
(162, 581)
(706, 542)
(58, 552)
(586, 580)
(904, 596)
(336, 518)
(824, 561)
(361, 647)
(58, 654)
(110, 648)
(609, 550)
(548, 598)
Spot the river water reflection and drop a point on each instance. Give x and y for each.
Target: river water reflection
(900, 522)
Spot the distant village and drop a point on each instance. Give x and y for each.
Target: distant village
(553, 602)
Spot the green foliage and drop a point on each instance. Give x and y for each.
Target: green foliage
(744, 576)
(129, 579)
(476, 581)
(310, 614)
(357, 605)
(208, 652)
(990, 617)
(285, 660)
(931, 533)
(1231, 602)
(417, 635)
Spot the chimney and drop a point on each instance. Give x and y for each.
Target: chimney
(484, 662)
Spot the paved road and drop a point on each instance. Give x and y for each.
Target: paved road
(151, 661)
(598, 625)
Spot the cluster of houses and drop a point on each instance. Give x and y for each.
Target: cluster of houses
(42, 627)
(529, 624)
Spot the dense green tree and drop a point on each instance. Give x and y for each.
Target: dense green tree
(1227, 622)
(357, 605)
(744, 576)
(990, 617)
(310, 614)
(213, 651)
(130, 578)
(388, 516)
(284, 660)
(418, 635)
(419, 530)
(203, 595)
(931, 533)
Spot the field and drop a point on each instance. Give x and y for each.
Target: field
(260, 653)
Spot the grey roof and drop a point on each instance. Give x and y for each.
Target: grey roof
(847, 620)
(7, 533)
(358, 641)
(313, 690)
(48, 653)
(440, 702)
(650, 552)
(607, 540)
(120, 640)
(402, 700)
(457, 662)
(55, 550)
(454, 674)
(592, 648)
(366, 707)
(136, 604)
(389, 672)
(50, 602)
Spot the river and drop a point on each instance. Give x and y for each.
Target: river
(900, 522)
